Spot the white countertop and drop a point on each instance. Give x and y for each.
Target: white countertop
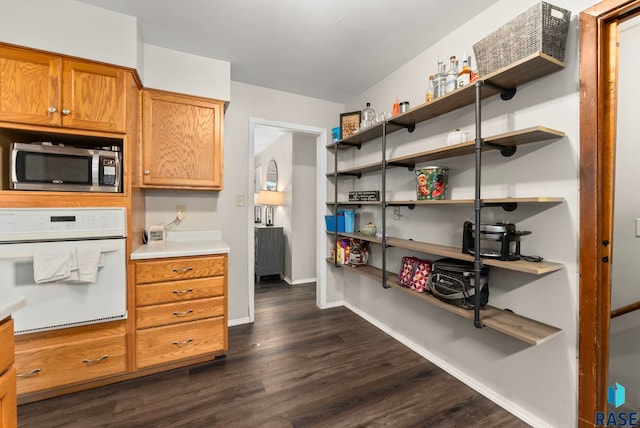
(182, 244)
(7, 308)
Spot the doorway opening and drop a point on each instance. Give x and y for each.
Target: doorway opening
(301, 182)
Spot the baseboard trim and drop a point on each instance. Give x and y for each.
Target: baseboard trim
(491, 394)
(238, 321)
(330, 305)
(303, 281)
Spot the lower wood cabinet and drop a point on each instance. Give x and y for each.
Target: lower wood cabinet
(66, 361)
(180, 316)
(171, 343)
(8, 401)
(181, 309)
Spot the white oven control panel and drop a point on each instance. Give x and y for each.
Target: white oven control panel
(44, 224)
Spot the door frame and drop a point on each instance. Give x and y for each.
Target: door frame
(321, 196)
(598, 89)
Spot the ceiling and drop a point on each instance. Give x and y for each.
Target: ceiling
(327, 49)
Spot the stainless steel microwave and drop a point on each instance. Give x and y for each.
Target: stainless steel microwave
(56, 167)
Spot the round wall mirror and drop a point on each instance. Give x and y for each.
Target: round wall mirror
(272, 176)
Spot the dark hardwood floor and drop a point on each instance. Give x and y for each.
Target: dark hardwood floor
(297, 366)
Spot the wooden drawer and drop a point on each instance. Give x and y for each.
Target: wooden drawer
(177, 291)
(6, 339)
(172, 269)
(172, 313)
(69, 363)
(172, 343)
(8, 401)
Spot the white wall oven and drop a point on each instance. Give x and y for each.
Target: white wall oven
(69, 263)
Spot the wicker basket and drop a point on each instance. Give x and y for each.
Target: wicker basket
(542, 28)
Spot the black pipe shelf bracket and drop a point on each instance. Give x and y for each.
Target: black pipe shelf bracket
(409, 127)
(505, 151)
(411, 166)
(505, 93)
(409, 205)
(507, 206)
(350, 174)
(347, 143)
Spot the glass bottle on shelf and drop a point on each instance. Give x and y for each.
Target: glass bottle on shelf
(368, 116)
(452, 75)
(464, 77)
(439, 80)
(430, 90)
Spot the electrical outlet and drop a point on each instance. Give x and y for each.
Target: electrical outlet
(181, 211)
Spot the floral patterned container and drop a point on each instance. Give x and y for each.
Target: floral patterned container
(431, 182)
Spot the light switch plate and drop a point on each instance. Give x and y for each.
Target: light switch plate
(239, 200)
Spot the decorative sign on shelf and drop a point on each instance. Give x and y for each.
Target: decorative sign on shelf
(364, 195)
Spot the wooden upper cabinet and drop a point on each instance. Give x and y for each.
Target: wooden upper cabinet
(45, 89)
(29, 87)
(182, 141)
(93, 96)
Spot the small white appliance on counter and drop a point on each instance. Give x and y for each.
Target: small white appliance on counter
(67, 287)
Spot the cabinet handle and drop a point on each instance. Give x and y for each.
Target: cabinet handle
(183, 314)
(147, 172)
(33, 372)
(182, 270)
(66, 111)
(52, 109)
(184, 342)
(97, 360)
(185, 291)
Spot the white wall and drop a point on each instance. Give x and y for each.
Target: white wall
(185, 73)
(71, 28)
(537, 383)
(257, 102)
(303, 241)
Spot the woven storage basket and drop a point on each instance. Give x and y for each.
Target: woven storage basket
(542, 28)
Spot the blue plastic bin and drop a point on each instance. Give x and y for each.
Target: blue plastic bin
(331, 222)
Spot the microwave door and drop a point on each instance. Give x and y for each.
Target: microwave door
(52, 171)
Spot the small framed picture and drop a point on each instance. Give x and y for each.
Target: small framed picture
(349, 124)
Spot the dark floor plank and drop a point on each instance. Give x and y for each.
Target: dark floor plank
(296, 366)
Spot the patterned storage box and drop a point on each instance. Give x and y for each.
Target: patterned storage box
(414, 273)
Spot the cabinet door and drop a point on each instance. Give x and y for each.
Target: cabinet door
(29, 87)
(8, 401)
(182, 141)
(93, 96)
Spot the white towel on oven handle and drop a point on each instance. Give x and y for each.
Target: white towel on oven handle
(85, 265)
(50, 266)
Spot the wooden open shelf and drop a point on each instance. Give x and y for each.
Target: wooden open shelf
(495, 142)
(526, 70)
(534, 268)
(486, 202)
(504, 321)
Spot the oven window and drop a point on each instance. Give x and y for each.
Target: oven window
(53, 168)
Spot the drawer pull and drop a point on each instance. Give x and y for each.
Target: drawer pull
(184, 342)
(184, 313)
(182, 270)
(97, 360)
(185, 291)
(33, 372)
